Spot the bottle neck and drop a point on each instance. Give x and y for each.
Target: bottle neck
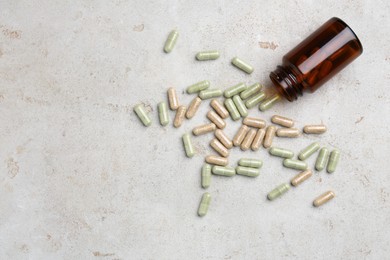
(286, 83)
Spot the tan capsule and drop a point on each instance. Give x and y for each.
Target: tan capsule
(217, 160)
(223, 138)
(314, 129)
(204, 129)
(179, 117)
(327, 196)
(254, 122)
(282, 121)
(258, 140)
(172, 98)
(219, 108)
(269, 136)
(249, 137)
(301, 177)
(216, 119)
(217, 146)
(193, 107)
(287, 132)
(239, 137)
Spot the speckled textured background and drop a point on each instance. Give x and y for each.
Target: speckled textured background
(81, 178)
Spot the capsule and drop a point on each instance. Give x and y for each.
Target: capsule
(258, 140)
(282, 121)
(256, 99)
(242, 65)
(268, 103)
(308, 151)
(240, 106)
(314, 129)
(269, 136)
(219, 148)
(333, 161)
(253, 163)
(280, 152)
(325, 69)
(222, 137)
(206, 175)
(163, 113)
(327, 196)
(204, 129)
(219, 108)
(210, 93)
(193, 107)
(217, 160)
(251, 90)
(171, 41)
(216, 119)
(188, 147)
(295, 164)
(197, 87)
(287, 132)
(204, 204)
(254, 122)
(207, 55)
(278, 191)
(237, 89)
(247, 171)
(223, 171)
(179, 117)
(322, 159)
(301, 177)
(172, 98)
(142, 115)
(240, 135)
(246, 143)
(229, 104)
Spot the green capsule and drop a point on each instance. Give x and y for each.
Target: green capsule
(256, 99)
(268, 103)
(295, 164)
(240, 106)
(188, 147)
(223, 171)
(333, 161)
(308, 151)
(251, 90)
(171, 41)
(163, 113)
(197, 87)
(210, 93)
(234, 90)
(322, 159)
(278, 191)
(253, 163)
(204, 204)
(206, 175)
(242, 65)
(229, 104)
(207, 55)
(280, 152)
(247, 171)
(142, 115)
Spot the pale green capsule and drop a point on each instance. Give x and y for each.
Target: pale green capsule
(280, 152)
(256, 99)
(240, 106)
(163, 113)
(229, 104)
(253, 163)
(322, 159)
(251, 90)
(207, 55)
(142, 115)
(308, 151)
(268, 103)
(295, 164)
(188, 147)
(204, 204)
(206, 175)
(242, 65)
(278, 191)
(223, 171)
(247, 171)
(333, 161)
(197, 87)
(171, 41)
(237, 89)
(210, 93)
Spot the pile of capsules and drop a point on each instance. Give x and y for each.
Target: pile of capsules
(253, 132)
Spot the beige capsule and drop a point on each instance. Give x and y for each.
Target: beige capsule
(327, 196)
(217, 160)
(269, 136)
(219, 108)
(216, 119)
(193, 107)
(204, 129)
(301, 177)
(179, 117)
(314, 129)
(258, 139)
(223, 138)
(172, 98)
(287, 132)
(282, 121)
(249, 137)
(218, 147)
(254, 122)
(240, 135)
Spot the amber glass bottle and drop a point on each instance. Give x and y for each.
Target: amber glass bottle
(315, 60)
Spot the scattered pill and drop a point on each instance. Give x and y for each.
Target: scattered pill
(246, 143)
(172, 98)
(278, 191)
(258, 140)
(282, 121)
(207, 55)
(253, 163)
(240, 106)
(333, 161)
(229, 104)
(236, 89)
(216, 119)
(322, 159)
(206, 175)
(301, 177)
(197, 87)
(222, 137)
(188, 147)
(193, 107)
(204, 129)
(240, 135)
(204, 204)
(287, 132)
(179, 117)
(219, 148)
(254, 122)
(223, 171)
(314, 129)
(247, 171)
(219, 108)
(256, 99)
(308, 151)
(295, 164)
(210, 93)
(269, 136)
(171, 41)
(217, 160)
(327, 196)
(280, 152)
(251, 90)
(163, 113)
(268, 103)
(242, 65)
(142, 115)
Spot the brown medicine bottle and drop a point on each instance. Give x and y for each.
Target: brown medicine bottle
(315, 60)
